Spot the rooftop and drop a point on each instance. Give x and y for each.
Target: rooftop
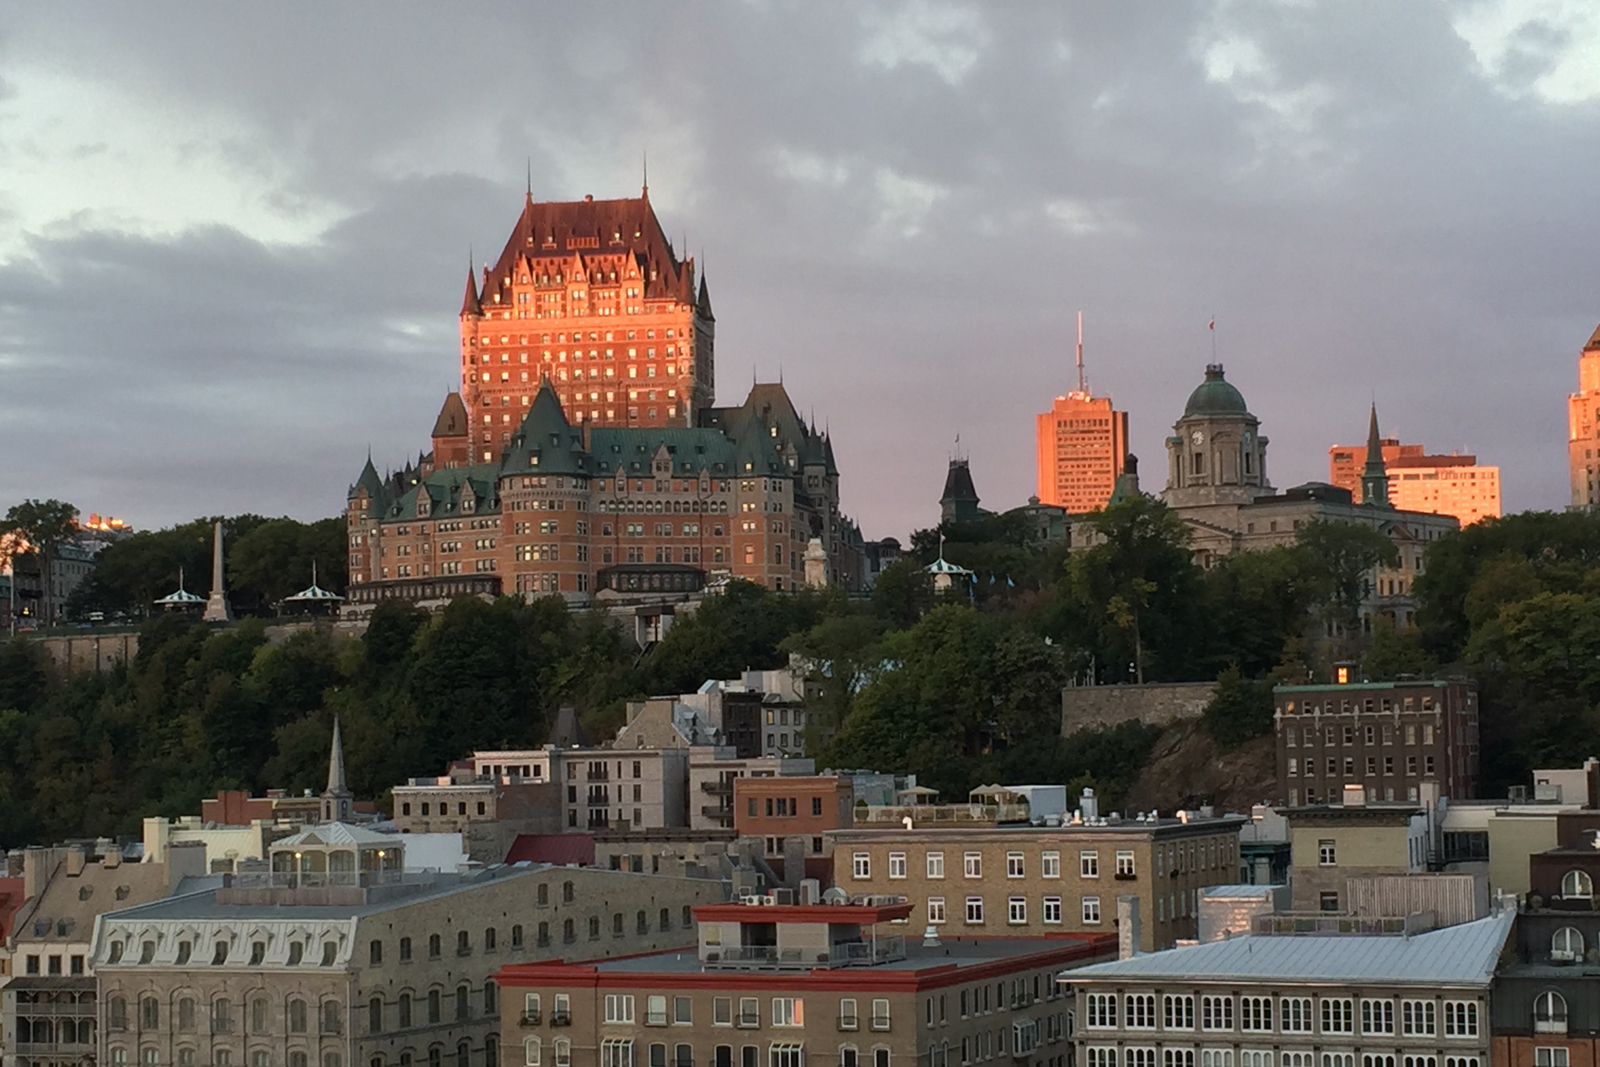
(950, 961)
(1463, 954)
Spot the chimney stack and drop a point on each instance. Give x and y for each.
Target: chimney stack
(1127, 926)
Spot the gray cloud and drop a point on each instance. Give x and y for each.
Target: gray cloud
(232, 241)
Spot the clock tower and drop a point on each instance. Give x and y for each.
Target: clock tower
(1216, 454)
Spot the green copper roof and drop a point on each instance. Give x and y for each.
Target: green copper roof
(1215, 396)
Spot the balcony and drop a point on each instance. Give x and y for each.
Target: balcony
(849, 1022)
(713, 811)
(840, 954)
(941, 814)
(531, 1018)
(717, 789)
(560, 1018)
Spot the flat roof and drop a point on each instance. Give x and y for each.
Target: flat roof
(1127, 824)
(1464, 955)
(952, 960)
(1328, 687)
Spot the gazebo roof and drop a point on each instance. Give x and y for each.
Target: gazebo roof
(338, 833)
(314, 594)
(181, 598)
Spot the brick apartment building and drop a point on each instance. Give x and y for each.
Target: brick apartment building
(788, 985)
(777, 809)
(1397, 739)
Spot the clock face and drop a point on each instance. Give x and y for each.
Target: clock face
(1197, 437)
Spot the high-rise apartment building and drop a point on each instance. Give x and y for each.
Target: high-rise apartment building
(1444, 485)
(1583, 427)
(591, 296)
(1082, 445)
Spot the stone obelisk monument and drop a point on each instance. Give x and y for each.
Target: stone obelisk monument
(217, 609)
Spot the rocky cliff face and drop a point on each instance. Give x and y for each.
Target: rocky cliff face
(1187, 768)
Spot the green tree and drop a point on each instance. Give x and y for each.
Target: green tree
(838, 655)
(1239, 710)
(1346, 553)
(1133, 594)
(903, 593)
(1396, 653)
(39, 528)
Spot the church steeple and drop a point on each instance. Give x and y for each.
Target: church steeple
(1374, 477)
(338, 803)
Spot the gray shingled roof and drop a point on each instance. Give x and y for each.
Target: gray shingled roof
(1463, 954)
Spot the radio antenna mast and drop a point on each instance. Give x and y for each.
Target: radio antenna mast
(1082, 386)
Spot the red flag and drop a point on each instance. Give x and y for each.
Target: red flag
(1213, 324)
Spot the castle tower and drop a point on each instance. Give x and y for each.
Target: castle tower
(1216, 454)
(452, 443)
(1583, 427)
(959, 502)
(338, 803)
(591, 296)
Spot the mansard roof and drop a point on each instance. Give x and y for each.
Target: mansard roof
(445, 490)
(630, 451)
(768, 405)
(595, 228)
(546, 443)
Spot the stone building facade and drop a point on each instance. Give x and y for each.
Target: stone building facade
(287, 969)
(1583, 427)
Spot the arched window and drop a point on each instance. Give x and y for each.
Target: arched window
(332, 1059)
(375, 1015)
(462, 993)
(1577, 884)
(491, 1050)
(297, 1059)
(516, 934)
(848, 1056)
(434, 1006)
(258, 1016)
(436, 1057)
(117, 1018)
(1567, 944)
(567, 893)
(149, 1014)
(463, 943)
(463, 1054)
(1550, 1014)
(119, 1057)
(404, 1007)
(531, 1052)
(563, 1048)
(297, 1016)
(330, 1017)
(541, 895)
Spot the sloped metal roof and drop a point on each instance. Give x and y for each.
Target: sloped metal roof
(1458, 955)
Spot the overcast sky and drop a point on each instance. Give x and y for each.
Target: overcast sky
(232, 238)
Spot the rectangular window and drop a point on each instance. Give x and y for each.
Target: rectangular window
(861, 865)
(1460, 1018)
(974, 910)
(1014, 866)
(1255, 1013)
(722, 1011)
(1052, 910)
(972, 865)
(1216, 1013)
(1295, 1015)
(1016, 910)
(1102, 1011)
(1091, 909)
(788, 1011)
(1140, 1011)
(1050, 865)
(1216, 1057)
(936, 909)
(1550, 1057)
(619, 1008)
(1327, 856)
(1338, 1015)
(897, 865)
(848, 1019)
(936, 865)
(655, 1010)
(1416, 1018)
(880, 1013)
(1177, 1012)
(1099, 1056)
(749, 1011)
(682, 1011)
(1089, 864)
(1125, 863)
(1377, 1016)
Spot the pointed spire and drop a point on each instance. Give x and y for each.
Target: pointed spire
(335, 755)
(1375, 476)
(470, 304)
(644, 167)
(703, 303)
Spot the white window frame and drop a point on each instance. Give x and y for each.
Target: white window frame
(619, 1008)
(1177, 1011)
(1460, 1018)
(1255, 1016)
(974, 911)
(1051, 911)
(1016, 911)
(1090, 910)
(1216, 1013)
(1417, 1018)
(936, 913)
(1338, 1015)
(1100, 1011)
(897, 865)
(1139, 1011)
(1377, 1016)
(1088, 863)
(860, 866)
(1016, 865)
(972, 864)
(1050, 864)
(1125, 864)
(1295, 1015)
(935, 864)
(788, 1011)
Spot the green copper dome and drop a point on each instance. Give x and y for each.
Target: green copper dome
(1214, 396)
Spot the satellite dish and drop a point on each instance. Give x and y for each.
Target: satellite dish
(835, 895)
